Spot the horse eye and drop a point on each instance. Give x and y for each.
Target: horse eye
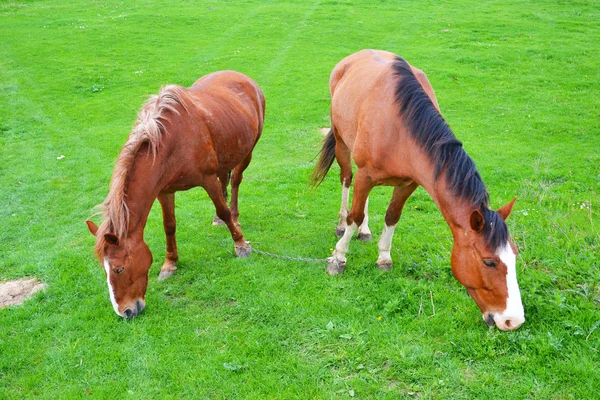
(118, 270)
(490, 263)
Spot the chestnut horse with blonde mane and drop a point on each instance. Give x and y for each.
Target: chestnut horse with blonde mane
(183, 138)
(385, 117)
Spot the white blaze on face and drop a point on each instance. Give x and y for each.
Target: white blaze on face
(110, 289)
(513, 316)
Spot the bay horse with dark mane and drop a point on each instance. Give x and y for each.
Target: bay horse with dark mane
(183, 138)
(385, 116)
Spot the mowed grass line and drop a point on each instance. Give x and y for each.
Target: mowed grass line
(516, 81)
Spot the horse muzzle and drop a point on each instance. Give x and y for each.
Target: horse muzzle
(504, 323)
(135, 310)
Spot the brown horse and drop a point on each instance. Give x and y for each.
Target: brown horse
(385, 116)
(183, 138)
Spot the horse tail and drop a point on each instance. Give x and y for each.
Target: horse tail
(326, 157)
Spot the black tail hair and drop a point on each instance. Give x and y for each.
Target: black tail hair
(326, 157)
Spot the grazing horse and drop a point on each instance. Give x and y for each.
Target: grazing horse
(183, 138)
(385, 116)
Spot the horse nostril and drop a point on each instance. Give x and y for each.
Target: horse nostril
(508, 323)
(128, 313)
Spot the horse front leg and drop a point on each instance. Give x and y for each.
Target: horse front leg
(213, 188)
(362, 187)
(167, 203)
(392, 216)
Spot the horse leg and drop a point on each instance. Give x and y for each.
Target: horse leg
(167, 203)
(342, 155)
(214, 190)
(392, 216)
(224, 179)
(362, 187)
(364, 233)
(236, 179)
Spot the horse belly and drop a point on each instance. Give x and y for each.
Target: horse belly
(234, 146)
(384, 180)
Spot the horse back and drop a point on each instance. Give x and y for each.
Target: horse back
(231, 96)
(362, 97)
(365, 114)
(228, 110)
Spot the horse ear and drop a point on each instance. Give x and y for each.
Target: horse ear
(111, 239)
(92, 227)
(477, 221)
(506, 209)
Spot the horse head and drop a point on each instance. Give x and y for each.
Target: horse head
(488, 269)
(126, 262)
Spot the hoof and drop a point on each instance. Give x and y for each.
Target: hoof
(365, 237)
(218, 221)
(243, 251)
(339, 232)
(165, 274)
(385, 265)
(336, 267)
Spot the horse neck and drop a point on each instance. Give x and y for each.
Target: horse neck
(456, 211)
(144, 185)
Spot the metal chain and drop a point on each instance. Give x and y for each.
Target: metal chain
(265, 253)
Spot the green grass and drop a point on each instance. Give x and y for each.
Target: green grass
(518, 83)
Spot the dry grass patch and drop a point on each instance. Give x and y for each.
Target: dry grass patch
(14, 293)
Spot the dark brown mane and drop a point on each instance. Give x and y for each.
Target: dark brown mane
(148, 129)
(434, 136)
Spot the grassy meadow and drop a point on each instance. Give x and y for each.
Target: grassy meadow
(516, 80)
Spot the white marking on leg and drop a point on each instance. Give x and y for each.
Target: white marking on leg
(364, 227)
(514, 307)
(341, 248)
(110, 289)
(344, 207)
(385, 244)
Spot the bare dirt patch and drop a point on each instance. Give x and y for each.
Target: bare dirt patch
(14, 293)
(324, 131)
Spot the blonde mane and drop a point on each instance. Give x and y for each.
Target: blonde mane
(148, 128)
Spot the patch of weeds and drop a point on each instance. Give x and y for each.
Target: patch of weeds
(234, 366)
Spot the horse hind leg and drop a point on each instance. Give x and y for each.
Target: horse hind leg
(392, 216)
(362, 187)
(364, 233)
(342, 155)
(167, 203)
(213, 188)
(224, 180)
(236, 180)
